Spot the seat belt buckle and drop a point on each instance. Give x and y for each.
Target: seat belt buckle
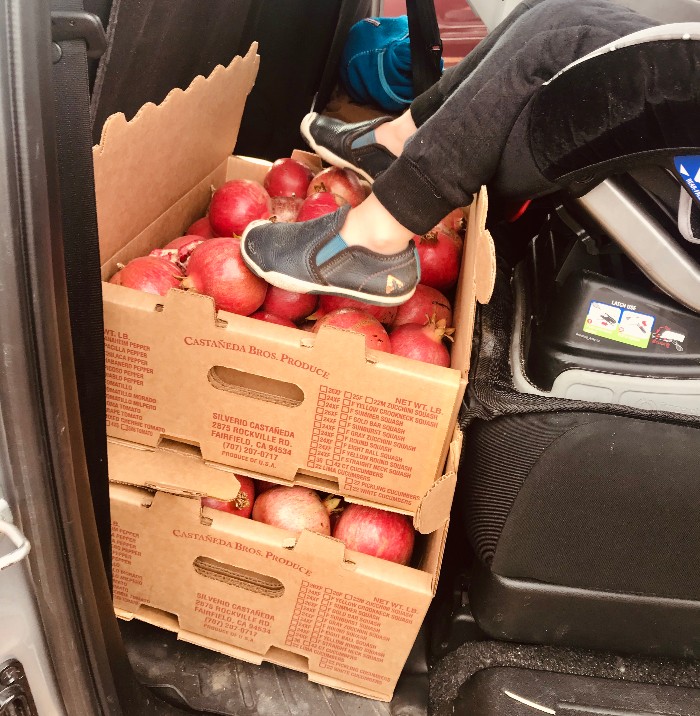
(79, 25)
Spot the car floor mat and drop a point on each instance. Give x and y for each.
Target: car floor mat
(455, 669)
(208, 682)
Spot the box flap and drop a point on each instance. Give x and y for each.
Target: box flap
(435, 506)
(478, 274)
(191, 132)
(163, 469)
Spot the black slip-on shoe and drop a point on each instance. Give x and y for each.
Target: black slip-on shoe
(346, 145)
(311, 257)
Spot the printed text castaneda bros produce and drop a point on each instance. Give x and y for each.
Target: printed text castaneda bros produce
(260, 352)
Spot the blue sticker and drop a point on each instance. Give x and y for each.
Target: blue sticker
(688, 169)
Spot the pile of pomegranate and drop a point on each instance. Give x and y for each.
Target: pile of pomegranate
(207, 260)
(375, 532)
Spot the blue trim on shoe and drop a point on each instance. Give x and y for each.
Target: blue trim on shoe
(415, 253)
(330, 249)
(364, 139)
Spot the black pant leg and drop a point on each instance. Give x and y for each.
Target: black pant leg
(426, 104)
(458, 149)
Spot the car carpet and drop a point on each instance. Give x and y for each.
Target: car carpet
(450, 673)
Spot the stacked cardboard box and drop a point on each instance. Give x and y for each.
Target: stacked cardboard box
(195, 396)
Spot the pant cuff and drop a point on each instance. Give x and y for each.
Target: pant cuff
(410, 197)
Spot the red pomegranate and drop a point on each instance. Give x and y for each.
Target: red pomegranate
(359, 322)
(384, 314)
(150, 274)
(292, 508)
(216, 269)
(235, 204)
(440, 252)
(202, 228)
(286, 208)
(242, 505)
(271, 318)
(287, 177)
(426, 303)
(344, 182)
(422, 343)
(455, 221)
(376, 532)
(287, 304)
(263, 486)
(179, 250)
(319, 204)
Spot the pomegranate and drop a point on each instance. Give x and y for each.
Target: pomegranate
(319, 204)
(426, 303)
(422, 343)
(359, 322)
(290, 305)
(292, 508)
(384, 314)
(344, 182)
(287, 177)
(455, 221)
(286, 208)
(179, 250)
(150, 274)
(216, 269)
(242, 505)
(235, 204)
(202, 228)
(440, 252)
(263, 486)
(376, 532)
(271, 318)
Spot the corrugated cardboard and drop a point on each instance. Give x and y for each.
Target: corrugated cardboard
(256, 592)
(267, 400)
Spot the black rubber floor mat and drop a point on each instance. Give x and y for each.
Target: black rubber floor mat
(207, 682)
(457, 668)
(523, 692)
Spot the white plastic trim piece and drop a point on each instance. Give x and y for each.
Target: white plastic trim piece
(531, 704)
(20, 542)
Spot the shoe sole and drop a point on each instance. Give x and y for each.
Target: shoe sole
(326, 154)
(296, 285)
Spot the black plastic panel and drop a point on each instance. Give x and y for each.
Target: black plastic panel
(532, 612)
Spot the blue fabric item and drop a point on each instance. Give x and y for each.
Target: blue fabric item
(375, 65)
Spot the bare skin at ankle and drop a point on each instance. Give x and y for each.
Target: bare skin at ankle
(393, 135)
(372, 226)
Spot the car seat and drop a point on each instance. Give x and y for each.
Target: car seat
(583, 513)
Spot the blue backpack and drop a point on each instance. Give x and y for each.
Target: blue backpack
(376, 63)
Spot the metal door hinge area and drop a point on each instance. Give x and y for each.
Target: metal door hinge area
(15, 694)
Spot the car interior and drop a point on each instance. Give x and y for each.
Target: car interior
(569, 583)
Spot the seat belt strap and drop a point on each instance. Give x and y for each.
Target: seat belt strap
(426, 45)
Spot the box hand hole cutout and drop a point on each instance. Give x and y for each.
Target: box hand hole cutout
(254, 386)
(238, 577)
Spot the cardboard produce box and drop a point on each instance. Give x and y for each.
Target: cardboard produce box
(256, 592)
(265, 399)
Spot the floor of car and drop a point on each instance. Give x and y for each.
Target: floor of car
(207, 682)
(459, 666)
